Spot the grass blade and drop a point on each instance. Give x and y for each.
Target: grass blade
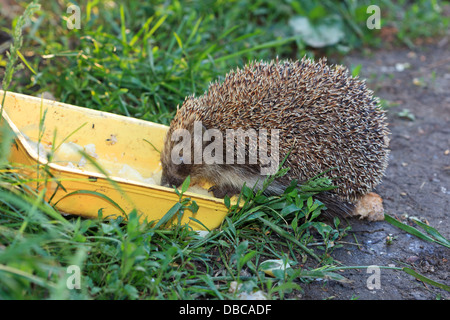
(286, 235)
(425, 279)
(434, 233)
(98, 194)
(414, 231)
(156, 26)
(71, 134)
(207, 279)
(266, 45)
(123, 27)
(23, 202)
(315, 274)
(169, 215)
(407, 228)
(27, 276)
(138, 34)
(180, 43)
(25, 62)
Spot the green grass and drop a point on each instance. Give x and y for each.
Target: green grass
(141, 59)
(130, 259)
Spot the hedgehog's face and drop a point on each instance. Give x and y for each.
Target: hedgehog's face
(177, 157)
(175, 166)
(173, 175)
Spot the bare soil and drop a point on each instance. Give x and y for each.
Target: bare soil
(417, 181)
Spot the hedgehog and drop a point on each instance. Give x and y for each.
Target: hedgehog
(326, 122)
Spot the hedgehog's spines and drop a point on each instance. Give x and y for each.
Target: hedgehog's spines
(330, 117)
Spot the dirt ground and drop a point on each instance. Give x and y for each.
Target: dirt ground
(417, 181)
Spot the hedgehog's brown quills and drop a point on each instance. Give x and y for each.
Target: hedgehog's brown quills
(326, 119)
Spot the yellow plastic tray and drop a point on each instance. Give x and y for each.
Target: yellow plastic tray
(119, 140)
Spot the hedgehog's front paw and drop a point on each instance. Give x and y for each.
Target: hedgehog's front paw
(222, 191)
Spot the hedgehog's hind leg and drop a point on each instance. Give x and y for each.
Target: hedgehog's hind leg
(369, 206)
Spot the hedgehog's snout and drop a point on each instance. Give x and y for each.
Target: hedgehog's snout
(170, 180)
(170, 172)
(164, 180)
(171, 176)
